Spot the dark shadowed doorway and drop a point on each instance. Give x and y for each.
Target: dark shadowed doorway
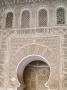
(35, 75)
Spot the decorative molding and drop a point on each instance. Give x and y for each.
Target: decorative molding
(40, 30)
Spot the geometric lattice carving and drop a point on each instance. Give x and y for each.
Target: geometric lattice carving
(25, 19)
(36, 74)
(42, 18)
(9, 20)
(60, 16)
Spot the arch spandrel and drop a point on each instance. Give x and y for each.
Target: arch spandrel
(31, 49)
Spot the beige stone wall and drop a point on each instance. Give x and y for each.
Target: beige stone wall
(65, 61)
(49, 42)
(50, 45)
(47, 46)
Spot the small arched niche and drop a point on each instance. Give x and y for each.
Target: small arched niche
(42, 18)
(9, 20)
(60, 15)
(25, 19)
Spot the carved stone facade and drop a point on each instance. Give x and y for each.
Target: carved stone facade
(33, 45)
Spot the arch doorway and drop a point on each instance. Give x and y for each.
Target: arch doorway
(35, 75)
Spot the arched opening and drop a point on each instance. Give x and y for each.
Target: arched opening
(25, 20)
(9, 20)
(42, 18)
(35, 75)
(60, 15)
